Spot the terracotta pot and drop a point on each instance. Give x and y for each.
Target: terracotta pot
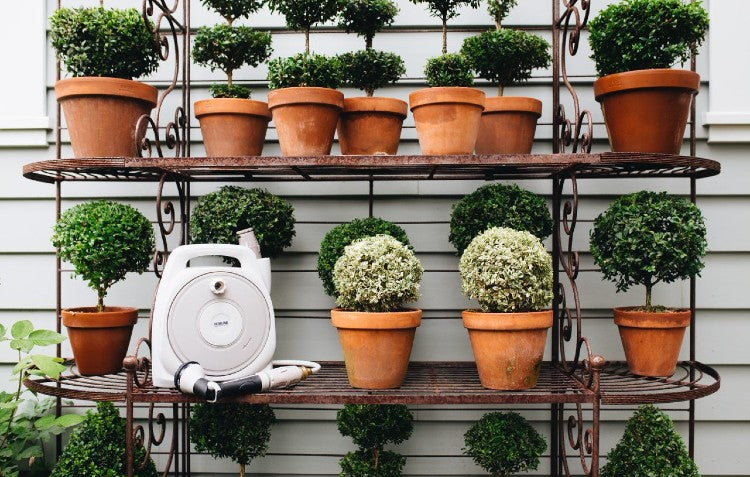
(647, 110)
(508, 125)
(305, 119)
(370, 126)
(508, 347)
(447, 119)
(232, 126)
(652, 341)
(102, 113)
(99, 339)
(376, 346)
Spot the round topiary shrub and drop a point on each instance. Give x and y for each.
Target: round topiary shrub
(220, 215)
(504, 443)
(104, 240)
(301, 15)
(498, 205)
(648, 237)
(445, 10)
(369, 70)
(507, 270)
(305, 69)
(377, 274)
(334, 242)
(361, 463)
(499, 9)
(366, 17)
(450, 69)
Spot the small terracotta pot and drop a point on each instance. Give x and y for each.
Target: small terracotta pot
(652, 341)
(99, 339)
(508, 125)
(447, 118)
(102, 113)
(376, 346)
(233, 126)
(305, 119)
(647, 110)
(508, 347)
(370, 126)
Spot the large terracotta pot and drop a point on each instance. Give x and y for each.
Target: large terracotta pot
(447, 118)
(305, 119)
(376, 346)
(370, 126)
(102, 113)
(647, 110)
(508, 125)
(233, 126)
(99, 339)
(652, 341)
(508, 347)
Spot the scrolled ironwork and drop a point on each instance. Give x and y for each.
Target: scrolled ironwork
(167, 217)
(142, 374)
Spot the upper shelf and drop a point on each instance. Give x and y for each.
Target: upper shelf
(358, 168)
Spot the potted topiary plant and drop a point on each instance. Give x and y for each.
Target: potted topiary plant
(370, 125)
(103, 240)
(371, 427)
(504, 56)
(498, 205)
(634, 43)
(231, 430)
(374, 277)
(643, 239)
(509, 273)
(304, 102)
(232, 124)
(504, 444)
(104, 49)
(447, 114)
(650, 446)
(333, 244)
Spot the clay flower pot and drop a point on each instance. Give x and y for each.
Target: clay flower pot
(99, 339)
(370, 126)
(508, 347)
(652, 341)
(508, 125)
(305, 119)
(647, 110)
(447, 118)
(102, 113)
(233, 126)
(376, 346)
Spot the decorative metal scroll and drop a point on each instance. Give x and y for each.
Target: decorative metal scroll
(167, 218)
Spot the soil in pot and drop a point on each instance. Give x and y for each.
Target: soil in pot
(508, 347)
(652, 341)
(99, 339)
(376, 346)
(305, 119)
(508, 125)
(647, 110)
(102, 113)
(447, 118)
(232, 126)
(371, 126)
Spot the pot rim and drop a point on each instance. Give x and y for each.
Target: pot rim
(447, 95)
(239, 106)
(305, 95)
(377, 104)
(89, 317)
(514, 321)
(365, 320)
(104, 86)
(646, 79)
(521, 104)
(631, 317)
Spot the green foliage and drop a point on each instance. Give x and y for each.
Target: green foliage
(361, 463)
(648, 237)
(104, 42)
(370, 69)
(450, 69)
(377, 274)
(499, 9)
(304, 70)
(234, 9)
(366, 17)
(507, 270)
(104, 240)
(237, 431)
(504, 443)
(498, 205)
(300, 15)
(446, 9)
(506, 56)
(226, 91)
(650, 446)
(97, 448)
(220, 215)
(333, 244)
(645, 34)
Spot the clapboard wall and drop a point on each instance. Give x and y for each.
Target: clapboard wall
(305, 441)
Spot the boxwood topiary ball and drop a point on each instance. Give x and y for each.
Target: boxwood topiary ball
(374, 425)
